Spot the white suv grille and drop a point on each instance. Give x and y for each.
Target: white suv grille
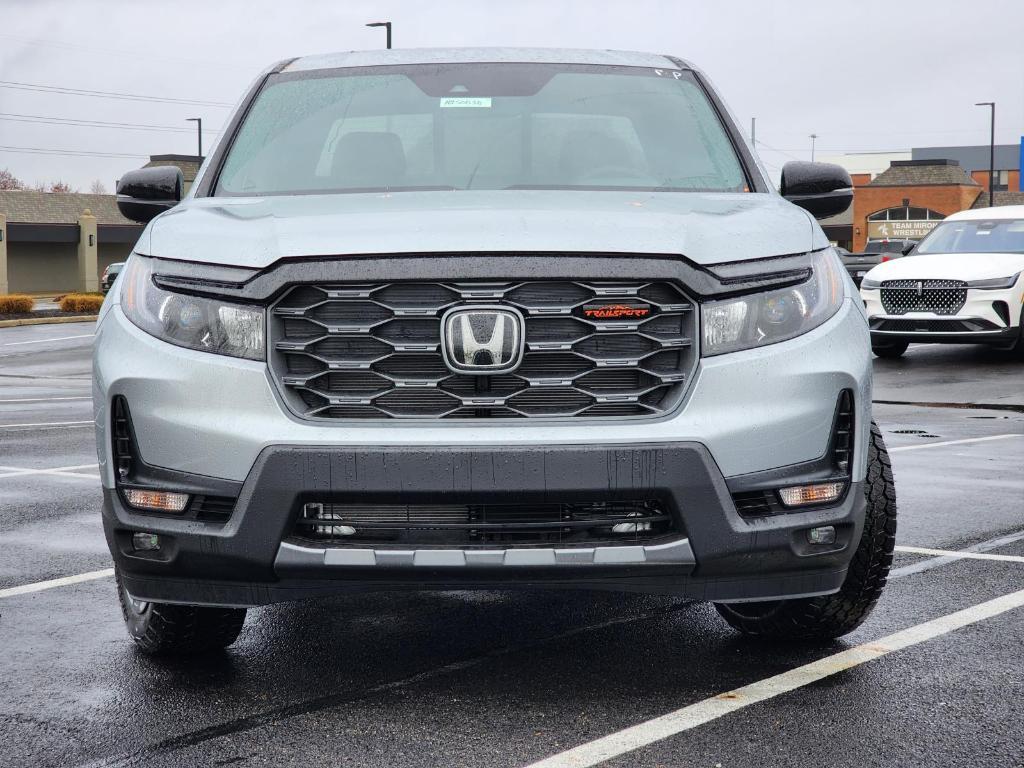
(941, 297)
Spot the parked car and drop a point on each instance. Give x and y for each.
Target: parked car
(961, 285)
(875, 252)
(370, 350)
(110, 275)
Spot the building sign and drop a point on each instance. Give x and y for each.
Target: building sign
(900, 230)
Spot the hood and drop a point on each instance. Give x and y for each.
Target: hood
(705, 228)
(949, 266)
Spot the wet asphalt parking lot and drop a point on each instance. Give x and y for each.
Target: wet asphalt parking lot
(934, 677)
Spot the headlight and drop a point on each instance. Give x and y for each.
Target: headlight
(774, 316)
(208, 325)
(994, 283)
(870, 285)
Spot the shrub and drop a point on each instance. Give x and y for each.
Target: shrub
(81, 302)
(16, 302)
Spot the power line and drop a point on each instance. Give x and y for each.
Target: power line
(106, 94)
(86, 123)
(123, 53)
(65, 152)
(780, 151)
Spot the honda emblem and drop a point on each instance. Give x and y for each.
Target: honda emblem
(482, 340)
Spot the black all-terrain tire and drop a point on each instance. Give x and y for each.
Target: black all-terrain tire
(829, 616)
(166, 629)
(890, 349)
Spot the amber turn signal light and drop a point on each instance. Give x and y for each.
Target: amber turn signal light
(161, 501)
(816, 493)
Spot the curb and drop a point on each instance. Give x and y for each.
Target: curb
(46, 320)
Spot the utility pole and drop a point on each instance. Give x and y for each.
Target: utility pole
(753, 131)
(387, 27)
(813, 137)
(199, 129)
(991, 149)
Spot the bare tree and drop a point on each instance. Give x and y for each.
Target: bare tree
(98, 187)
(9, 181)
(61, 186)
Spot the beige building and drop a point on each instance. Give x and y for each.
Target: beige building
(56, 242)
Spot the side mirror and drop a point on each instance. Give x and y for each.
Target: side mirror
(147, 192)
(821, 189)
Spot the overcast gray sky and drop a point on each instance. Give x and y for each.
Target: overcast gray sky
(863, 75)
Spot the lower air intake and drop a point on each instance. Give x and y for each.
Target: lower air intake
(467, 525)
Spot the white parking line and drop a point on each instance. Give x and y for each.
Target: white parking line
(60, 471)
(43, 341)
(961, 554)
(687, 718)
(952, 442)
(64, 581)
(938, 562)
(45, 399)
(48, 424)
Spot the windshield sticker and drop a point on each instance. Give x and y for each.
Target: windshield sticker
(466, 101)
(674, 73)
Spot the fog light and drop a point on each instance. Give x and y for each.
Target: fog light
(818, 493)
(161, 501)
(826, 534)
(145, 542)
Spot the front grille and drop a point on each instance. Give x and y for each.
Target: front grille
(469, 525)
(941, 297)
(929, 325)
(373, 350)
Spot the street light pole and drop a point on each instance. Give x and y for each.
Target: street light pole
(387, 27)
(753, 131)
(991, 149)
(199, 130)
(813, 137)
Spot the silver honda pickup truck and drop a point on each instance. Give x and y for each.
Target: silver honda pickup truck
(487, 319)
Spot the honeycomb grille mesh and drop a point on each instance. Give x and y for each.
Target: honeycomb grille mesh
(373, 350)
(941, 297)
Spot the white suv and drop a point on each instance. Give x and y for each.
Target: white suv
(961, 285)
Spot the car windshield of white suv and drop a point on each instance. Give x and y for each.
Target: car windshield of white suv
(975, 236)
(480, 126)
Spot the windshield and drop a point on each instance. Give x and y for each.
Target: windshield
(975, 236)
(481, 126)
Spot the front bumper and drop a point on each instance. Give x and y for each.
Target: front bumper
(977, 322)
(762, 416)
(715, 555)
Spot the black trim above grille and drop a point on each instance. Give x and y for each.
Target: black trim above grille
(593, 348)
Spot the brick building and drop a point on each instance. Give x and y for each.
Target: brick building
(55, 242)
(908, 199)
(902, 195)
